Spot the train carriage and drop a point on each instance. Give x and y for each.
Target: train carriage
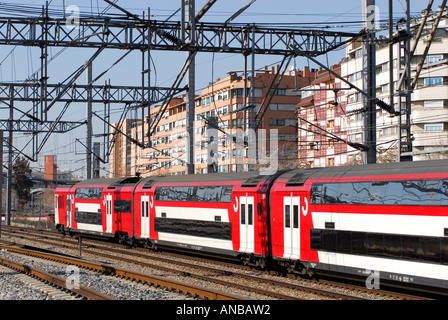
(390, 219)
(219, 213)
(119, 207)
(61, 207)
(91, 206)
(290, 219)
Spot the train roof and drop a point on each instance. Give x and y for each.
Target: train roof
(210, 177)
(249, 178)
(294, 177)
(299, 176)
(110, 181)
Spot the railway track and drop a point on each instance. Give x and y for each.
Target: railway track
(57, 287)
(107, 269)
(247, 283)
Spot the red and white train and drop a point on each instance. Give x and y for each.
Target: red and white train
(391, 219)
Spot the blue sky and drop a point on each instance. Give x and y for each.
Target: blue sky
(18, 63)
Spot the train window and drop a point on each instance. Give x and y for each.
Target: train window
(409, 247)
(315, 239)
(147, 209)
(88, 217)
(410, 192)
(329, 239)
(429, 191)
(363, 192)
(89, 193)
(210, 193)
(430, 249)
(397, 246)
(444, 193)
(358, 242)
(226, 194)
(196, 228)
(123, 206)
(287, 216)
(344, 244)
(374, 244)
(343, 193)
(296, 216)
(250, 213)
(444, 249)
(194, 193)
(317, 193)
(392, 245)
(61, 201)
(243, 214)
(391, 193)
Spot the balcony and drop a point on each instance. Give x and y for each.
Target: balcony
(429, 115)
(439, 92)
(436, 138)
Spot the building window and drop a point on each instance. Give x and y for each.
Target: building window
(433, 127)
(433, 58)
(433, 81)
(278, 92)
(433, 104)
(237, 93)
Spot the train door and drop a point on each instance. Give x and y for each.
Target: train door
(69, 210)
(109, 213)
(292, 228)
(145, 216)
(56, 209)
(247, 234)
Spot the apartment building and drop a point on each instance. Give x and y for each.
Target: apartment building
(222, 102)
(429, 108)
(120, 157)
(323, 122)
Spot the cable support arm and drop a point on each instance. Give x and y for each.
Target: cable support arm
(91, 151)
(138, 143)
(20, 151)
(160, 32)
(76, 76)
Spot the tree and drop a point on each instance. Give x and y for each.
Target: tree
(22, 181)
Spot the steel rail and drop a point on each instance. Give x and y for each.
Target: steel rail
(54, 280)
(196, 291)
(98, 245)
(206, 270)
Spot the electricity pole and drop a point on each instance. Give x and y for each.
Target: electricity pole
(369, 83)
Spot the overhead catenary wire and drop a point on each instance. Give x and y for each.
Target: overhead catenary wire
(92, 13)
